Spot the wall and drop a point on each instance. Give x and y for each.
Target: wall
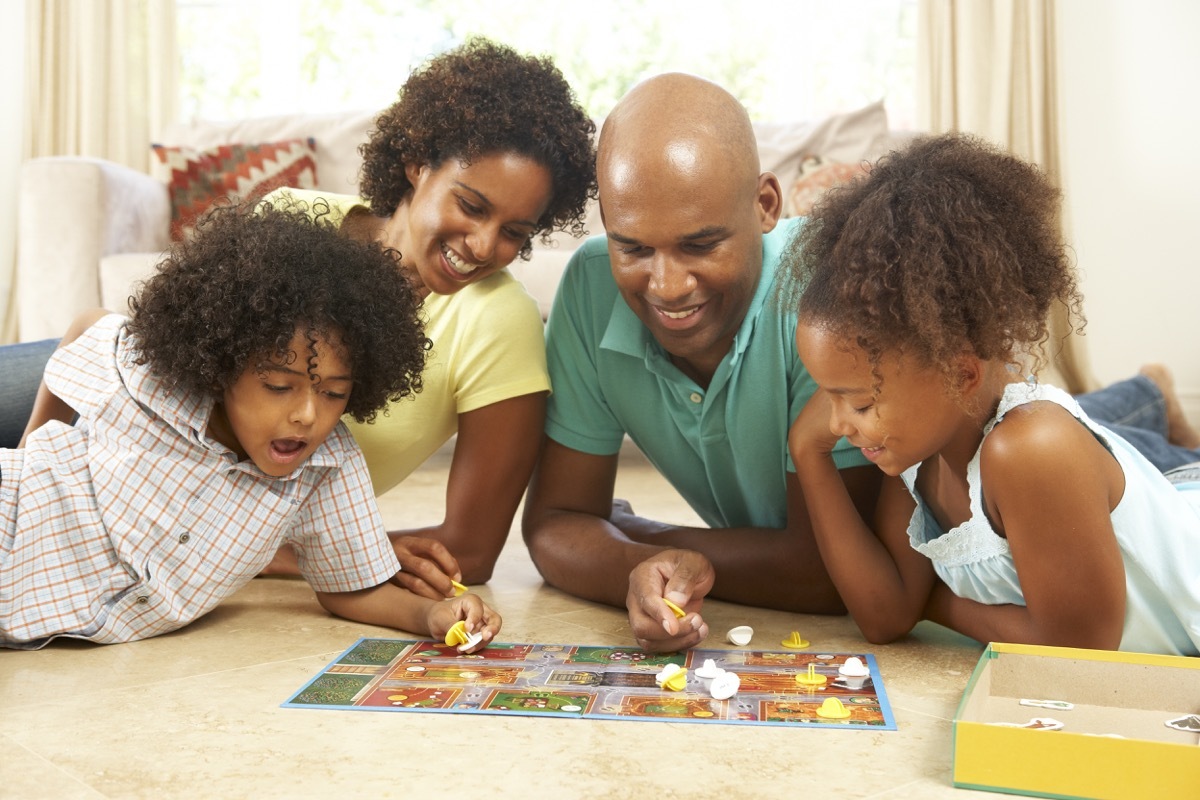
(1131, 172)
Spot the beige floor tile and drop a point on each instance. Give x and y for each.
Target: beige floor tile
(197, 713)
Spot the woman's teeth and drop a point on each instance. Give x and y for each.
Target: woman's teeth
(456, 263)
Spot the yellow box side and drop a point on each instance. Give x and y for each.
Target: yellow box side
(1153, 659)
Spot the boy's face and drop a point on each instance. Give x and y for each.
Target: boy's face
(276, 414)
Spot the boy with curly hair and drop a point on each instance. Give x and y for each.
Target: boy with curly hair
(209, 433)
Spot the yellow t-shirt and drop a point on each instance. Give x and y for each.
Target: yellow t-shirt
(488, 346)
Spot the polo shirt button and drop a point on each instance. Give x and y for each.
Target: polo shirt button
(142, 600)
(697, 397)
(183, 538)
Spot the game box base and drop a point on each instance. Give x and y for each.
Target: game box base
(1114, 741)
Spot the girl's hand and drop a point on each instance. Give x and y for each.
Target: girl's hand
(479, 617)
(810, 435)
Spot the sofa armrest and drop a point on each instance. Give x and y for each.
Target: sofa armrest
(71, 212)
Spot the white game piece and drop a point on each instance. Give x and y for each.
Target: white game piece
(725, 685)
(709, 669)
(854, 668)
(740, 635)
(472, 640)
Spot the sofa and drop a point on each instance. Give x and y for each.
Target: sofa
(89, 230)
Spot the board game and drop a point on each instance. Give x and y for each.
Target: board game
(593, 683)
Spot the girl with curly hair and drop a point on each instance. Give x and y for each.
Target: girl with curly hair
(209, 431)
(1006, 512)
(484, 149)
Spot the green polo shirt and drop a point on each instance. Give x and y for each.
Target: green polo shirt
(723, 448)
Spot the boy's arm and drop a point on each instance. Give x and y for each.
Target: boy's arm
(390, 606)
(47, 406)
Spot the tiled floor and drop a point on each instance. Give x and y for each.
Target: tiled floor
(196, 713)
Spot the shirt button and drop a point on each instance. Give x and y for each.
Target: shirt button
(142, 600)
(696, 397)
(184, 537)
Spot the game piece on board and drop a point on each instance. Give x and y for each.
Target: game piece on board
(667, 671)
(740, 635)
(1189, 723)
(457, 633)
(854, 668)
(794, 642)
(1057, 705)
(833, 708)
(458, 587)
(676, 610)
(725, 685)
(708, 669)
(472, 640)
(811, 678)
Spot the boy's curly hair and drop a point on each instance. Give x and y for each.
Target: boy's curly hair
(234, 295)
(950, 244)
(480, 99)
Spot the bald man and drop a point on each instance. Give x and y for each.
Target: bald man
(664, 330)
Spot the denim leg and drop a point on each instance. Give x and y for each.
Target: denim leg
(1188, 473)
(21, 367)
(1135, 402)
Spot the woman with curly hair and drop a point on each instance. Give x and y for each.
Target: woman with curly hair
(484, 149)
(1007, 513)
(209, 432)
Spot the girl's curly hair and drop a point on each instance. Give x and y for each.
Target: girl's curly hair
(480, 99)
(235, 294)
(948, 245)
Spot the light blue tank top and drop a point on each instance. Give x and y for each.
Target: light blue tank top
(1157, 526)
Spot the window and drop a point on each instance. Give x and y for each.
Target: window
(801, 59)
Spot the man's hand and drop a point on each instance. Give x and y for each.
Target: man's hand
(682, 576)
(426, 566)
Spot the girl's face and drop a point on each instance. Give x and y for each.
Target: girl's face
(462, 223)
(276, 414)
(912, 418)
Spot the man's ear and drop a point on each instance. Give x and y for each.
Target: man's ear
(768, 201)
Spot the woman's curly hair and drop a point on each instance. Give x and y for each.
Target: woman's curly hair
(234, 295)
(481, 99)
(948, 245)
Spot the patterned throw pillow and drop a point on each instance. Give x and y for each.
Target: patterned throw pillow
(818, 176)
(197, 179)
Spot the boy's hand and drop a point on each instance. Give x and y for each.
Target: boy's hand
(682, 576)
(479, 617)
(426, 566)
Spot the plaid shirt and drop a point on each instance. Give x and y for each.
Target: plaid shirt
(133, 522)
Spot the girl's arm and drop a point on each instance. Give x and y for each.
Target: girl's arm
(48, 406)
(884, 582)
(494, 455)
(390, 606)
(1049, 487)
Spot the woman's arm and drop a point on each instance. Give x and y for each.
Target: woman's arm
(494, 455)
(47, 406)
(1049, 487)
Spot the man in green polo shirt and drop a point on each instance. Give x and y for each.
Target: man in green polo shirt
(665, 330)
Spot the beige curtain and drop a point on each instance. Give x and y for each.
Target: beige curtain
(988, 67)
(100, 80)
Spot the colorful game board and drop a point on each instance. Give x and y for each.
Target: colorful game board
(591, 683)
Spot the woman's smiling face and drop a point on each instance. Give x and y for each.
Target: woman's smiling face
(463, 222)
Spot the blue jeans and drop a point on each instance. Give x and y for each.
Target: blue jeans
(21, 367)
(1135, 410)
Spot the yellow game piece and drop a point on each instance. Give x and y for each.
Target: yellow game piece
(794, 641)
(676, 610)
(458, 587)
(832, 708)
(457, 634)
(811, 678)
(397, 698)
(676, 681)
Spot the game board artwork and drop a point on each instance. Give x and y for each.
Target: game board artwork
(593, 683)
